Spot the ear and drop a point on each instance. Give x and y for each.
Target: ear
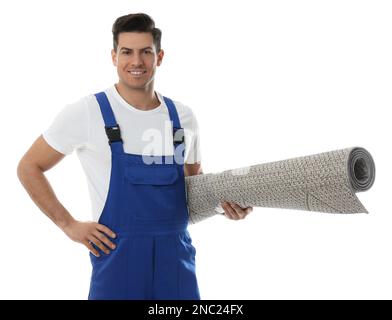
(160, 57)
(114, 57)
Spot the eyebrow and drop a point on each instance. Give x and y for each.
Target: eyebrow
(124, 48)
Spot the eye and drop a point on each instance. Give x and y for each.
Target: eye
(147, 51)
(125, 52)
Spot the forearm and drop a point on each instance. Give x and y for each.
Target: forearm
(41, 192)
(193, 169)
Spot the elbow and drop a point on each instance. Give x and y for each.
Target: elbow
(25, 169)
(21, 170)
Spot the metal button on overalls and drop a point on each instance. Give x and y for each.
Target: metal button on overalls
(146, 207)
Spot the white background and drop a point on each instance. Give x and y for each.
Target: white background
(267, 80)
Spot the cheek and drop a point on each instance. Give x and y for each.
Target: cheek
(122, 63)
(152, 62)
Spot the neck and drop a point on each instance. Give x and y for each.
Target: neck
(143, 99)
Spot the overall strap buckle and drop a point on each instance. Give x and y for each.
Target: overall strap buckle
(113, 133)
(178, 135)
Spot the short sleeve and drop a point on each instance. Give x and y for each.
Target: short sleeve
(69, 129)
(192, 140)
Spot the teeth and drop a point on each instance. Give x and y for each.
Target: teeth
(136, 72)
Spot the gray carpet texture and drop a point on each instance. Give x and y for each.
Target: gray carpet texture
(324, 182)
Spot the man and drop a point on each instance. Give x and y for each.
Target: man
(139, 244)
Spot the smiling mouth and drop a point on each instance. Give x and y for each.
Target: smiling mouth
(136, 73)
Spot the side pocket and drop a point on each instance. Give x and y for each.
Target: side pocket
(188, 241)
(110, 273)
(96, 260)
(102, 255)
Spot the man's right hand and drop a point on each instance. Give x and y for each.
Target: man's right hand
(38, 159)
(89, 233)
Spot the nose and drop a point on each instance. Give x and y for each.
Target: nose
(137, 59)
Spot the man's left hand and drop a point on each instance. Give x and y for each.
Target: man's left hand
(234, 212)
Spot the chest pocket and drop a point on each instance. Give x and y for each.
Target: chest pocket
(153, 191)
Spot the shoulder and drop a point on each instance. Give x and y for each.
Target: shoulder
(90, 101)
(73, 111)
(182, 107)
(185, 113)
(91, 107)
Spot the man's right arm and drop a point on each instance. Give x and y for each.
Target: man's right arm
(38, 159)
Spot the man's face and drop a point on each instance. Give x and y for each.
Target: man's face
(136, 59)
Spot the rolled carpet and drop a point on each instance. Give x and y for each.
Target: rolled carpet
(324, 182)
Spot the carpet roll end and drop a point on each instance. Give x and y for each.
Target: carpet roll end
(361, 169)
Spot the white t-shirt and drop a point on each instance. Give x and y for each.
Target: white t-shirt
(80, 126)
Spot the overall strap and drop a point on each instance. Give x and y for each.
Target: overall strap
(111, 127)
(178, 132)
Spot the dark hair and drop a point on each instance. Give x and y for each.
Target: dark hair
(136, 22)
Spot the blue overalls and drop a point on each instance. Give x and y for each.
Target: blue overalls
(146, 207)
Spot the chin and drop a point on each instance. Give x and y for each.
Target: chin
(136, 86)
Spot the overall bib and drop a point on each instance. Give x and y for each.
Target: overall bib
(146, 207)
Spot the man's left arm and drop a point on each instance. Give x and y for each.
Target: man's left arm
(232, 210)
